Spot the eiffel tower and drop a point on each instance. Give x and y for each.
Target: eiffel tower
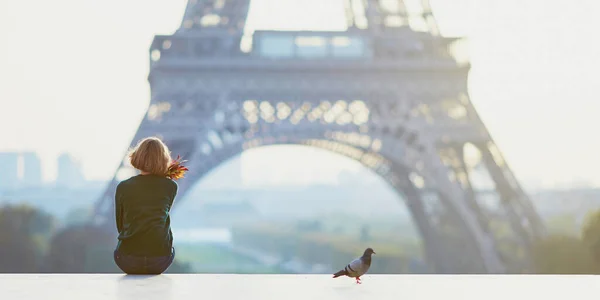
(389, 92)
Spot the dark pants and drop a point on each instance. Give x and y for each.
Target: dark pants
(143, 265)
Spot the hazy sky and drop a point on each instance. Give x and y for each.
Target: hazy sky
(73, 78)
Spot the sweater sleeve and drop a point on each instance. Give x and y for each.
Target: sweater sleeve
(118, 209)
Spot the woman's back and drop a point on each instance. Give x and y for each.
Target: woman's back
(142, 204)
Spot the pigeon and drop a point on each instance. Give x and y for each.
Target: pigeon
(357, 267)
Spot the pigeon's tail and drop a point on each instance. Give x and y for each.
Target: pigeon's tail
(340, 273)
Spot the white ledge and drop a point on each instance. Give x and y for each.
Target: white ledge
(292, 287)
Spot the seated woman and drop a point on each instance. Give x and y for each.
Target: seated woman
(142, 206)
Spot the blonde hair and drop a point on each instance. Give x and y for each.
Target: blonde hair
(151, 155)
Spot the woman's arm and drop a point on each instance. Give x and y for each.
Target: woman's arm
(118, 210)
(174, 194)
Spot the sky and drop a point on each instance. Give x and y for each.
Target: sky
(73, 79)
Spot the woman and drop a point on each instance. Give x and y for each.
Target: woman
(142, 206)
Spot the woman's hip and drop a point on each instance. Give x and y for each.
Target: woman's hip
(134, 264)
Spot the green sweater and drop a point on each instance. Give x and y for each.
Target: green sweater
(142, 206)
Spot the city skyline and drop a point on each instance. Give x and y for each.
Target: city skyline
(23, 169)
(89, 89)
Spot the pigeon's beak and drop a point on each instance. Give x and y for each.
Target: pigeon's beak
(374, 252)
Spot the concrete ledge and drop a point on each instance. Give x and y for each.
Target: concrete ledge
(292, 287)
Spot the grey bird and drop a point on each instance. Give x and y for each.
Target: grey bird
(357, 267)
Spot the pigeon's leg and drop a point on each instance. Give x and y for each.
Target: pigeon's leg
(358, 280)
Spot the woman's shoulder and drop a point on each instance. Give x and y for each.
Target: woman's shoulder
(169, 184)
(172, 183)
(128, 180)
(164, 180)
(124, 182)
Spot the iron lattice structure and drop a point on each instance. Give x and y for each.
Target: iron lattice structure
(389, 92)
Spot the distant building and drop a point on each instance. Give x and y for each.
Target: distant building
(32, 170)
(69, 172)
(9, 170)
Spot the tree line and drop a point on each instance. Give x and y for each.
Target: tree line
(570, 254)
(33, 241)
